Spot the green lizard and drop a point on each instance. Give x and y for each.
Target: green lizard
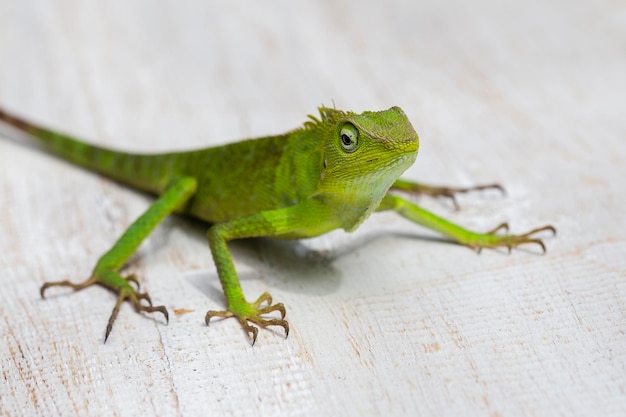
(331, 173)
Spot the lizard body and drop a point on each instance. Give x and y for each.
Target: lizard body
(331, 173)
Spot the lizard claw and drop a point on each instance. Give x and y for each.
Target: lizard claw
(115, 282)
(443, 191)
(76, 287)
(451, 192)
(135, 298)
(492, 240)
(501, 226)
(251, 313)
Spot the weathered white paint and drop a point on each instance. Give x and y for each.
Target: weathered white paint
(384, 321)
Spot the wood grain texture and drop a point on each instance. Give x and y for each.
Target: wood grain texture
(385, 321)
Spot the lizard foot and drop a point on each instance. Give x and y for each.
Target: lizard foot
(247, 313)
(445, 192)
(118, 284)
(492, 240)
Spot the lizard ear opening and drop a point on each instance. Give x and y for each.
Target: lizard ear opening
(349, 137)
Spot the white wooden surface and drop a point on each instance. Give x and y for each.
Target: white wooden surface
(385, 321)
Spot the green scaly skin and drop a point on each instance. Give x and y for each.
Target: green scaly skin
(331, 173)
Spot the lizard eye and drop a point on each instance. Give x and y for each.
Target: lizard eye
(349, 136)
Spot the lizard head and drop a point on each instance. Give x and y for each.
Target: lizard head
(363, 155)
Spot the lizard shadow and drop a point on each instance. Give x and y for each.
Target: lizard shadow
(290, 265)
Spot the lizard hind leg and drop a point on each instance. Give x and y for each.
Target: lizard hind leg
(442, 191)
(116, 283)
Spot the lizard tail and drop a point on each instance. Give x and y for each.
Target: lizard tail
(135, 170)
(13, 121)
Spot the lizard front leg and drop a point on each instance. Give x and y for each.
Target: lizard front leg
(106, 271)
(474, 240)
(302, 220)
